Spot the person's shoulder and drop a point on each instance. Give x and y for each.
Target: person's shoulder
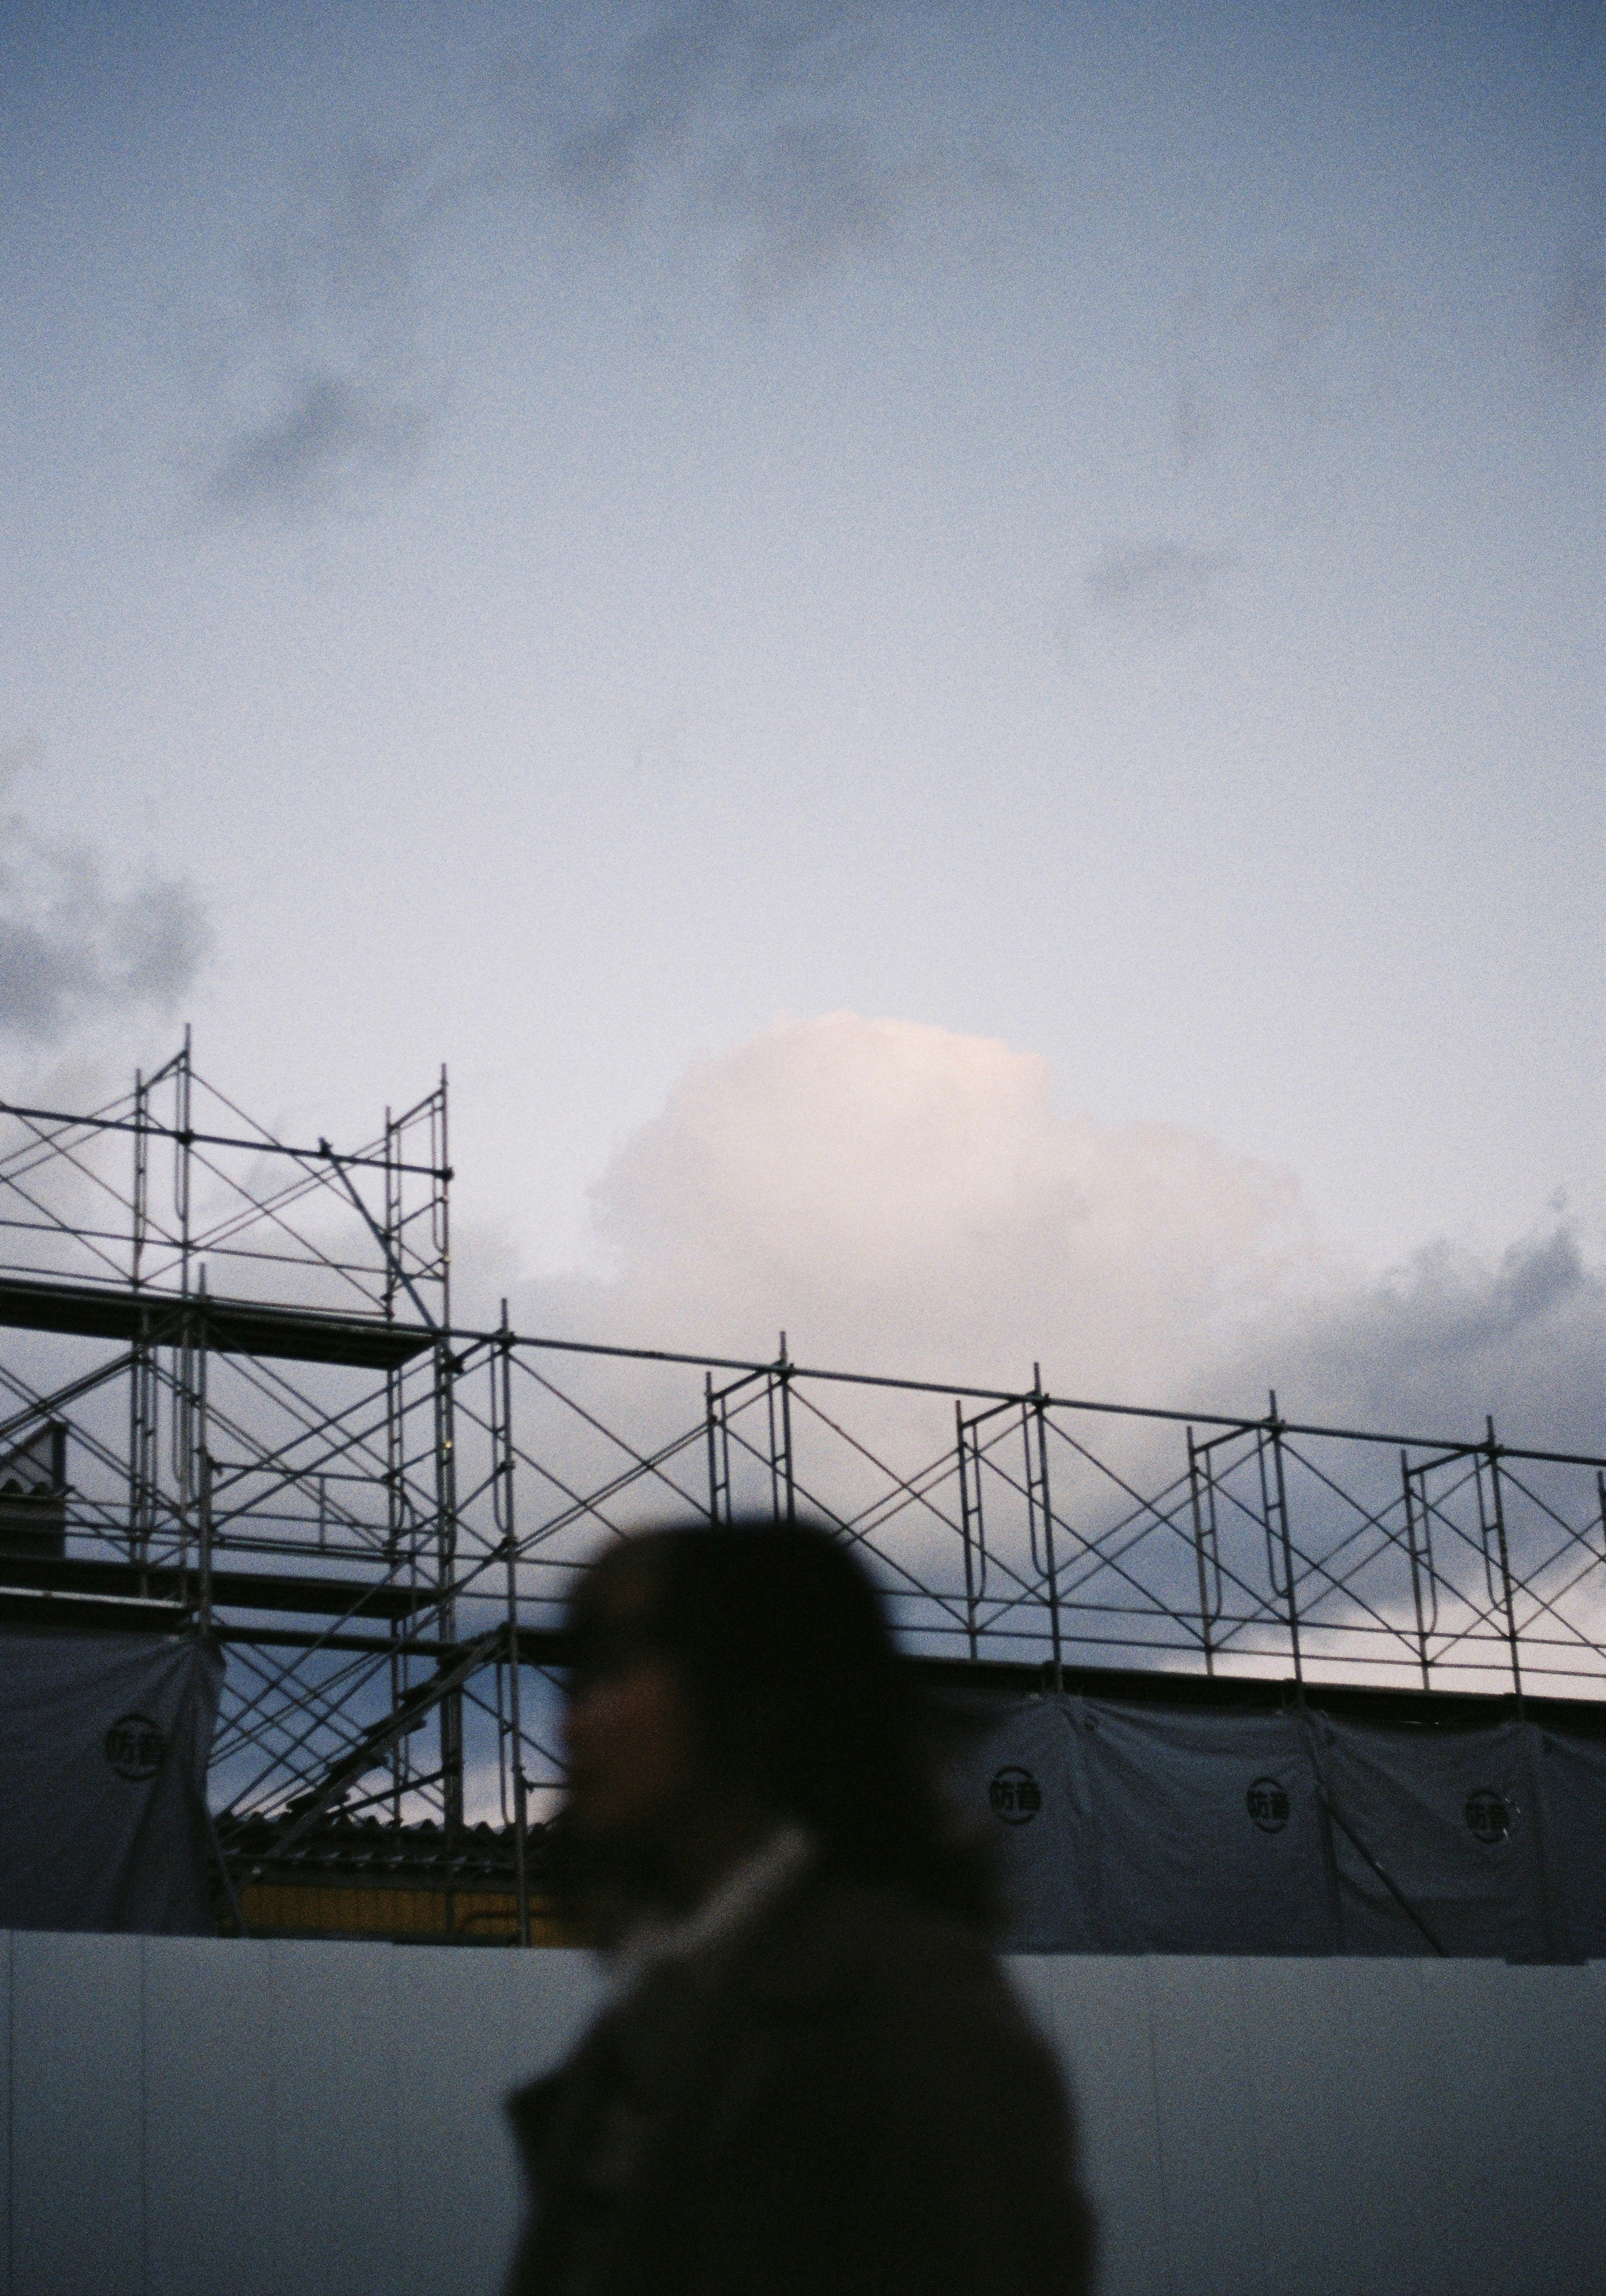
(840, 1936)
(913, 2009)
(883, 1921)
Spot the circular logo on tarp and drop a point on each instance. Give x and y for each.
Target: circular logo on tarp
(1267, 1803)
(135, 1747)
(1014, 1794)
(1489, 1815)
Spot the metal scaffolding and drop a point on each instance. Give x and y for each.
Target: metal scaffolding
(240, 1407)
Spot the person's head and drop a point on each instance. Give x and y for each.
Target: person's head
(727, 1678)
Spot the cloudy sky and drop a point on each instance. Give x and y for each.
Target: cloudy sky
(951, 653)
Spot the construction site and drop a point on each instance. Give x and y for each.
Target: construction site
(1289, 1741)
(242, 1421)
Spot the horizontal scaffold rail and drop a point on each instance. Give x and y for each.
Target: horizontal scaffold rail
(236, 1327)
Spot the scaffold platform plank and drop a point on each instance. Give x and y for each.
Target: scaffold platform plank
(242, 1327)
(231, 1590)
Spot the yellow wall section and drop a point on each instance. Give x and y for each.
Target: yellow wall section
(277, 1909)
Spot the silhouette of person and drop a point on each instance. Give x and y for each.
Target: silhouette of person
(811, 2075)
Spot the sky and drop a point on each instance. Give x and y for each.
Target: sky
(951, 654)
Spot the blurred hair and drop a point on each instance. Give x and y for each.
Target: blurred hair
(796, 1692)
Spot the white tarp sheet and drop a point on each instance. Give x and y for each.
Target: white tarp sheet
(104, 1747)
(1129, 1829)
(1572, 1803)
(1450, 1816)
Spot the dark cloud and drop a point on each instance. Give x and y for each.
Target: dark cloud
(1162, 588)
(1573, 321)
(334, 439)
(751, 123)
(73, 947)
(1275, 370)
(328, 398)
(1294, 310)
(807, 196)
(1454, 1334)
(615, 101)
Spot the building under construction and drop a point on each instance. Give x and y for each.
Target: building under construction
(1228, 1683)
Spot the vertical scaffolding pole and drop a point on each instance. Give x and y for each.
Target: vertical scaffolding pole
(182, 1435)
(1547, 1918)
(445, 1607)
(1492, 1450)
(184, 1387)
(144, 1384)
(139, 1196)
(783, 1492)
(184, 1141)
(712, 1433)
(422, 1526)
(1421, 1562)
(1040, 1507)
(1203, 1531)
(203, 1472)
(502, 1436)
(717, 1425)
(1276, 1500)
(394, 1403)
(965, 1530)
(446, 1468)
(143, 1435)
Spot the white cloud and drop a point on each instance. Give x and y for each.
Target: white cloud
(912, 1202)
(904, 1200)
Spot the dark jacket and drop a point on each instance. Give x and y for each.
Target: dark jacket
(846, 2100)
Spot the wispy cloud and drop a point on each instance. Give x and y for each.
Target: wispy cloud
(328, 392)
(751, 125)
(1162, 589)
(332, 438)
(1272, 369)
(806, 197)
(74, 945)
(617, 99)
(1572, 326)
(750, 129)
(1296, 311)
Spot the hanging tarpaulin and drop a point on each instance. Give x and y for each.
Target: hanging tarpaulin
(1121, 1829)
(1449, 1816)
(104, 1748)
(1209, 1832)
(1022, 1785)
(1572, 1813)
(1128, 1828)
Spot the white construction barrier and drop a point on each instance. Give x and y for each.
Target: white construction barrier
(184, 2117)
